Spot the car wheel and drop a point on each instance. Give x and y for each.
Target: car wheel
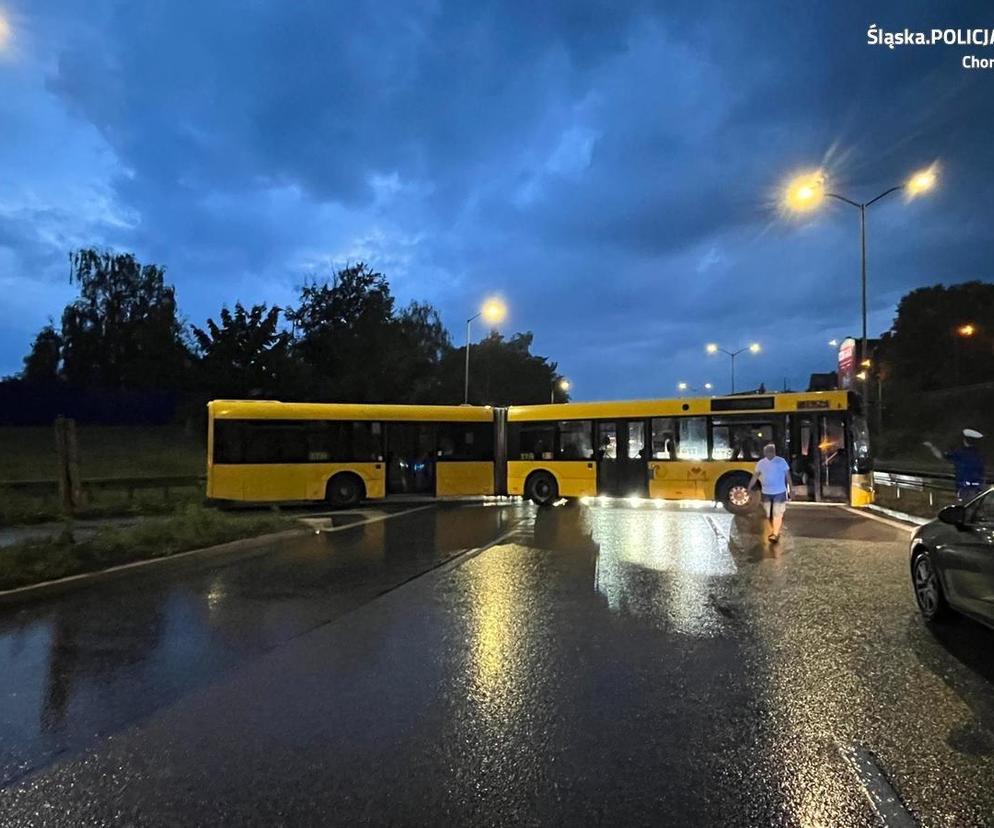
(928, 591)
(344, 491)
(542, 489)
(734, 494)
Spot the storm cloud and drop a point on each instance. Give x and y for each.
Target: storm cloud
(610, 168)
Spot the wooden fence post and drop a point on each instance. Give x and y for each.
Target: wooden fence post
(67, 448)
(72, 465)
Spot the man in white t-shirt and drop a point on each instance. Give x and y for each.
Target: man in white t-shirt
(773, 474)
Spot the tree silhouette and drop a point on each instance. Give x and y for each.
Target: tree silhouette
(245, 354)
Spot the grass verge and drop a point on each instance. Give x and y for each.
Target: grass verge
(193, 527)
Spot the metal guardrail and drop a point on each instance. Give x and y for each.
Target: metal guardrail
(128, 484)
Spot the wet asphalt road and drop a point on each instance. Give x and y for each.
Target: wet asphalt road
(593, 664)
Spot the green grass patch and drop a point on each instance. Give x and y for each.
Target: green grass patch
(105, 451)
(18, 509)
(192, 527)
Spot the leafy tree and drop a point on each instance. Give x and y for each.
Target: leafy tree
(42, 364)
(340, 328)
(245, 354)
(502, 372)
(926, 349)
(122, 331)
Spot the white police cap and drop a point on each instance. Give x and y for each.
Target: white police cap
(972, 433)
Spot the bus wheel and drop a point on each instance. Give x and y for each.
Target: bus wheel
(541, 489)
(344, 491)
(734, 495)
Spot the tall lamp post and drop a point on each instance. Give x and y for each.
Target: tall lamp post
(493, 311)
(713, 348)
(805, 192)
(562, 384)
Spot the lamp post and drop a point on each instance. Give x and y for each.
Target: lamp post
(805, 192)
(562, 384)
(493, 311)
(713, 348)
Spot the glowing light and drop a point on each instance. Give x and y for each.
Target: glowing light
(754, 348)
(564, 384)
(712, 348)
(866, 363)
(708, 386)
(966, 330)
(861, 375)
(921, 182)
(494, 310)
(834, 343)
(681, 386)
(805, 191)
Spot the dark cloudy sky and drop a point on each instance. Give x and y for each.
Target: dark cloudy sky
(610, 168)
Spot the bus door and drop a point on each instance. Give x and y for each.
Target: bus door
(606, 454)
(834, 450)
(410, 453)
(635, 465)
(622, 465)
(804, 457)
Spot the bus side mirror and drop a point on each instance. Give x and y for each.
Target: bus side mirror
(954, 515)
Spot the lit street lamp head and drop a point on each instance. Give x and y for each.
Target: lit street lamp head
(564, 385)
(681, 386)
(708, 386)
(921, 182)
(966, 330)
(754, 348)
(805, 191)
(493, 311)
(712, 348)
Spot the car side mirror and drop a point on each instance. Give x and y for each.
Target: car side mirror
(954, 515)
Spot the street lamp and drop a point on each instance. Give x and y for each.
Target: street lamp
(562, 384)
(493, 311)
(833, 343)
(806, 191)
(969, 329)
(682, 386)
(713, 348)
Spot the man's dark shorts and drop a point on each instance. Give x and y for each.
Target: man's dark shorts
(775, 504)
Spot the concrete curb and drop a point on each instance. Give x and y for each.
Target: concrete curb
(242, 548)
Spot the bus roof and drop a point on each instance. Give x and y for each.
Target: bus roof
(275, 410)
(686, 406)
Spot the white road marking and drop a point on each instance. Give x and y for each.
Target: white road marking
(892, 523)
(884, 800)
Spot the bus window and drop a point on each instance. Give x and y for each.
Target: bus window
(607, 441)
(693, 441)
(663, 439)
(636, 440)
(737, 440)
(575, 440)
(268, 441)
(367, 442)
(465, 441)
(536, 441)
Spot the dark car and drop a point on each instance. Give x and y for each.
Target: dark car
(952, 561)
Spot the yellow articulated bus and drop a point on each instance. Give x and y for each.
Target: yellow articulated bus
(702, 448)
(269, 451)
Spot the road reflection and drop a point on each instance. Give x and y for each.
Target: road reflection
(77, 667)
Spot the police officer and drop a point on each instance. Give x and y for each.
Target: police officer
(968, 464)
